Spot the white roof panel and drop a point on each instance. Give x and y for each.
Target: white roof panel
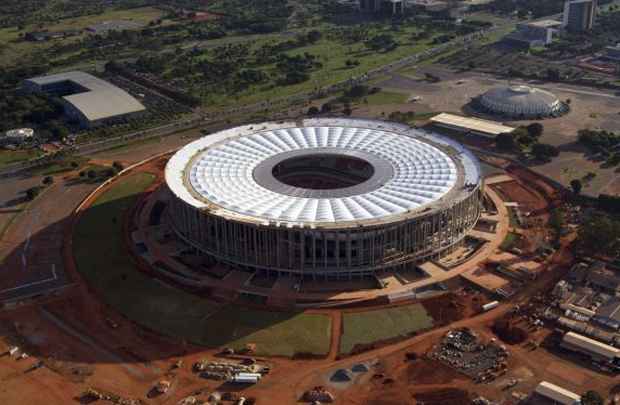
(592, 345)
(474, 124)
(100, 100)
(557, 394)
(219, 168)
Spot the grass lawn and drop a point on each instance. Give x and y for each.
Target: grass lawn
(387, 97)
(8, 157)
(12, 46)
(124, 146)
(375, 326)
(332, 54)
(274, 333)
(58, 167)
(102, 260)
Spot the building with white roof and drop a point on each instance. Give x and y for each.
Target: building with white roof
(598, 351)
(534, 34)
(16, 136)
(471, 125)
(87, 99)
(521, 102)
(326, 196)
(556, 394)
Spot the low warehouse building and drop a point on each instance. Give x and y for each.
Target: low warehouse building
(596, 350)
(87, 99)
(475, 126)
(556, 395)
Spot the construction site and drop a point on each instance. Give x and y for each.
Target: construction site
(472, 326)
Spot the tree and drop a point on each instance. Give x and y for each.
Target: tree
(505, 142)
(553, 74)
(544, 152)
(357, 91)
(600, 234)
(48, 180)
(313, 36)
(313, 110)
(535, 129)
(33, 192)
(384, 42)
(576, 186)
(592, 398)
(347, 110)
(327, 107)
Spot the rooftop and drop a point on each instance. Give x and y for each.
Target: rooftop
(591, 345)
(545, 23)
(101, 100)
(521, 100)
(473, 124)
(413, 170)
(557, 394)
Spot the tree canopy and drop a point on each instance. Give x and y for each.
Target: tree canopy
(599, 235)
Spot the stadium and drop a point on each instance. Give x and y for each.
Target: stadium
(521, 102)
(323, 196)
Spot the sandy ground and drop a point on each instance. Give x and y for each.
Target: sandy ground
(590, 108)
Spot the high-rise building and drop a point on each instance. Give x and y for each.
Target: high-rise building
(395, 6)
(579, 15)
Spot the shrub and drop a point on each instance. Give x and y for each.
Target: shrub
(48, 180)
(33, 192)
(313, 110)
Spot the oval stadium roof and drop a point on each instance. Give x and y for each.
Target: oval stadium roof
(219, 170)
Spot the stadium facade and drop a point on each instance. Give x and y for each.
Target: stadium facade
(324, 196)
(521, 102)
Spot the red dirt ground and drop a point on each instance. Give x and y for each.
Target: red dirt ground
(450, 396)
(129, 360)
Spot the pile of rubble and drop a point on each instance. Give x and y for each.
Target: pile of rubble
(217, 370)
(191, 400)
(461, 350)
(318, 394)
(92, 394)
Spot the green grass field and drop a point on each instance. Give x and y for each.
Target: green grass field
(387, 97)
(8, 157)
(58, 167)
(274, 333)
(332, 54)
(13, 47)
(107, 266)
(375, 326)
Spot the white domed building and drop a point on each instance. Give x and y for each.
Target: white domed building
(521, 102)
